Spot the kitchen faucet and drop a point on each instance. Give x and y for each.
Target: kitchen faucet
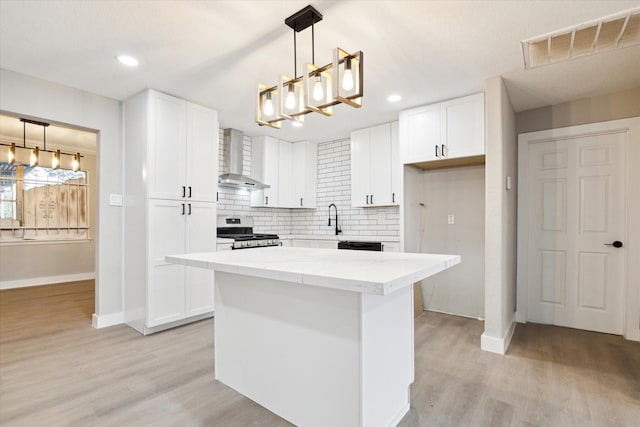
(337, 228)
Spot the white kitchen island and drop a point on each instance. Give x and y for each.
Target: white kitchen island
(321, 337)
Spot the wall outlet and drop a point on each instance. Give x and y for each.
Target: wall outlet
(451, 219)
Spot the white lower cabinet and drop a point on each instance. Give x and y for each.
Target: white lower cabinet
(176, 292)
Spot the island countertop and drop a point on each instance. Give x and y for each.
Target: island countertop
(379, 273)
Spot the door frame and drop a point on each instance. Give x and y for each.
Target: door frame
(631, 326)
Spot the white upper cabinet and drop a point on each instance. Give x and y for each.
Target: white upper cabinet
(265, 167)
(448, 130)
(305, 174)
(291, 169)
(202, 146)
(182, 144)
(374, 176)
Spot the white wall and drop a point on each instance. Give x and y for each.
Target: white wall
(334, 186)
(458, 192)
(28, 96)
(500, 223)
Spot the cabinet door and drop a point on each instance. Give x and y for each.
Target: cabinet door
(360, 185)
(165, 283)
(265, 168)
(202, 153)
(420, 134)
(380, 165)
(200, 237)
(396, 165)
(464, 132)
(285, 177)
(167, 146)
(305, 173)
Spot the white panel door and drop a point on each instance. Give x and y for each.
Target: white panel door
(165, 285)
(202, 154)
(360, 168)
(167, 146)
(380, 165)
(576, 192)
(200, 237)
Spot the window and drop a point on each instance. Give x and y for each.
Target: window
(40, 203)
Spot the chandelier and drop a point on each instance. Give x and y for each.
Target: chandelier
(318, 89)
(34, 155)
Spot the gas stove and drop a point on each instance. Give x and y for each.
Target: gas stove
(240, 230)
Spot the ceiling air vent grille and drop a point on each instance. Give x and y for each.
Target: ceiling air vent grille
(609, 33)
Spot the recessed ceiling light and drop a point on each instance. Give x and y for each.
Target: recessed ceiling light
(127, 60)
(296, 124)
(394, 98)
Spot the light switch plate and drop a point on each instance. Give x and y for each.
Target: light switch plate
(451, 219)
(115, 199)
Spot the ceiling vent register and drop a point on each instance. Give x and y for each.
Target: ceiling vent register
(611, 32)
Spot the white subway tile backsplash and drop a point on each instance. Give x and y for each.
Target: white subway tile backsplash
(334, 186)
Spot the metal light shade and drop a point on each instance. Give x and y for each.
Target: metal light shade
(291, 98)
(267, 115)
(315, 80)
(344, 63)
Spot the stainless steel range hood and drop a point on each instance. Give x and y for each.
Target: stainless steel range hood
(232, 159)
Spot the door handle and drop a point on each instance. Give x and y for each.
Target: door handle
(615, 244)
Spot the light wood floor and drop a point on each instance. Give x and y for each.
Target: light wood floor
(56, 370)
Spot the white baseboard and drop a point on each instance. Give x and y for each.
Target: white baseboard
(46, 280)
(498, 345)
(104, 320)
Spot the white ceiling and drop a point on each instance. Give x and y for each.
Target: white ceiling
(216, 52)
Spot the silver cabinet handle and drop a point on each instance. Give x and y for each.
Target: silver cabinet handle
(437, 155)
(189, 208)
(300, 201)
(372, 199)
(393, 197)
(266, 200)
(443, 147)
(367, 199)
(183, 209)
(189, 191)
(184, 191)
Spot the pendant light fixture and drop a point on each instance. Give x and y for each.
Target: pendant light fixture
(34, 152)
(318, 89)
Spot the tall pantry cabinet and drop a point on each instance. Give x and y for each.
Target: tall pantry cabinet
(171, 169)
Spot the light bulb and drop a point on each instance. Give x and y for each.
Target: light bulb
(347, 77)
(318, 91)
(11, 156)
(75, 163)
(55, 160)
(268, 105)
(290, 103)
(35, 156)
